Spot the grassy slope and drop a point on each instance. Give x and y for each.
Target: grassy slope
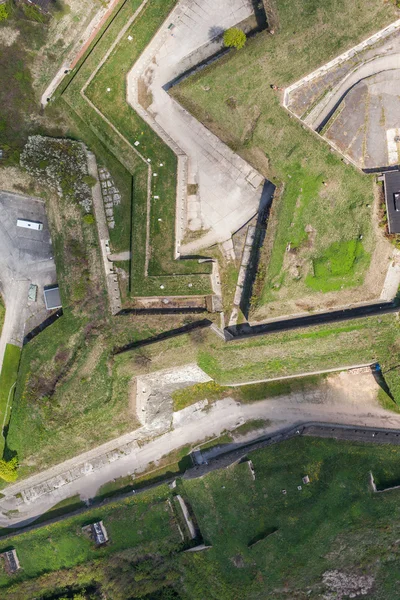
(8, 377)
(337, 211)
(114, 106)
(286, 353)
(333, 523)
(143, 523)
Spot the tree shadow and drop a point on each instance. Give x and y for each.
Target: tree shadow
(8, 453)
(215, 32)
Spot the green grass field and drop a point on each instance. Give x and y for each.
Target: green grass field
(177, 275)
(335, 522)
(264, 544)
(144, 523)
(8, 378)
(322, 205)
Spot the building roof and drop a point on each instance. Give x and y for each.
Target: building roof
(11, 561)
(52, 297)
(392, 188)
(99, 533)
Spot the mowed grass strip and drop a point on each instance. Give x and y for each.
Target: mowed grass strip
(144, 523)
(8, 378)
(324, 201)
(113, 105)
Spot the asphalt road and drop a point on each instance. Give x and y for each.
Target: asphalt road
(26, 257)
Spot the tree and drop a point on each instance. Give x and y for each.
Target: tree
(234, 38)
(8, 470)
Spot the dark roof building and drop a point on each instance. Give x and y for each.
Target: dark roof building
(392, 199)
(11, 561)
(99, 533)
(52, 297)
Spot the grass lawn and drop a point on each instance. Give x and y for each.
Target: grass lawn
(144, 523)
(177, 275)
(8, 378)
(322, 206)
(267, 544)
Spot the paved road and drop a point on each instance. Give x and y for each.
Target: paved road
(26, 257)
(229, 189)
(345, 398)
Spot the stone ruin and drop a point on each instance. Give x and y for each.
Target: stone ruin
(111, 195)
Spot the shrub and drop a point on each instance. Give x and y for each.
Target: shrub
(89, 219)
(3, 12)
(91, 181)
(8, 470)
(234, 38)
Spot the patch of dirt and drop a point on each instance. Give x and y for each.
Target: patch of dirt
(8, 36)
(145, 95)
(250, 125)
(13, 179)
(62, 34)
(238, 561)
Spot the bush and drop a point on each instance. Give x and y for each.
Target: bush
(3, 12)
(91, 181)
(89, 219)
(234, 38)
(8, 470)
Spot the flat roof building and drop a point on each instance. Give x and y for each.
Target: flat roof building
(52, 297)
(392, 200)
(11, 561)
(99, 533)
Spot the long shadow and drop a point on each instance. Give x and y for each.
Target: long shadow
(260, 233)
(164, 336)
(245, 330)
(381, 381)
(260, 14)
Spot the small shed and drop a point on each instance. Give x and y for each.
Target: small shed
(11, 561)
(392, 200)
(52, 297)
(99, 533)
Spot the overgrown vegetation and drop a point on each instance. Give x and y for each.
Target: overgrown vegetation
(61, 164)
